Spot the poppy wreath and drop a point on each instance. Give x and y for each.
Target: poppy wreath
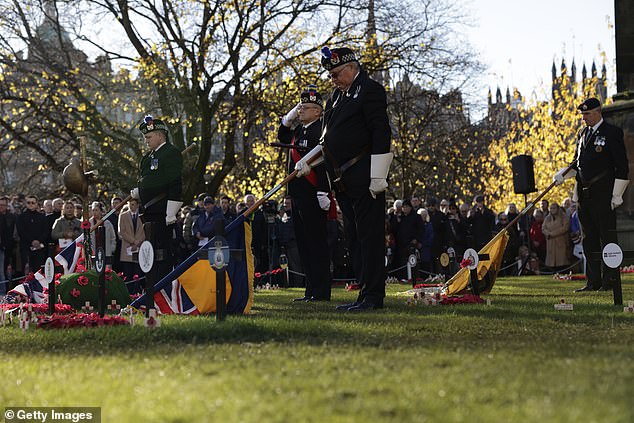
(76, 289)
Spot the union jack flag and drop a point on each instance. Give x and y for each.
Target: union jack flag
(34, 287)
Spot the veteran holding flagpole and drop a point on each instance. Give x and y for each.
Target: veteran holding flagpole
(600, 170)
(356, 151)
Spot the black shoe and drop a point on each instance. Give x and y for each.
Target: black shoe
(606, 288)
(365, 306)
(345, 307)
(303, 299)
(585, 289)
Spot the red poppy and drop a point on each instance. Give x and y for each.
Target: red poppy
(82, 280)
(75, 292)
(85, 224)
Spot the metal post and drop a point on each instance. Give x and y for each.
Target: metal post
(475, 283)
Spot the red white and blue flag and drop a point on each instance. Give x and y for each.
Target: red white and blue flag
(34, 287)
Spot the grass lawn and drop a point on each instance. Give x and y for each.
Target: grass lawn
(517, 360)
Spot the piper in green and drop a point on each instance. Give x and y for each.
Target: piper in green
(160, 186)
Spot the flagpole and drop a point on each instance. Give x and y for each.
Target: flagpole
(528, 207)
(189, 261)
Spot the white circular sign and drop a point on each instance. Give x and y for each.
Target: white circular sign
(471, 255)
(612, 255)
(49, 270)
(146, 256)
(412, 260)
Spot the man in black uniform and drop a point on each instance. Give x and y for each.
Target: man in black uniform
(601, 169)
(309, 195)
(160, 188)
(356, 150)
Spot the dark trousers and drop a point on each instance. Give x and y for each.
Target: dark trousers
(309, 222)
(598, 224)
(364, 223)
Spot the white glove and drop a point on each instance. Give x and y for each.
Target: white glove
(324, 201)
(377, 186)
(135, 194)
(315, 156)
(288, 119)
(170, 213)
(379, 168)
(617, 192)
(559, 177)
(302, 168)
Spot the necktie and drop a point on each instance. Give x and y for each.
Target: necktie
(588, 135)
(134, 221)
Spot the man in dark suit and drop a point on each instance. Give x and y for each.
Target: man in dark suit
(601, 170)
(356, 150)
(33, 231)
(310, 202)
(160, 187)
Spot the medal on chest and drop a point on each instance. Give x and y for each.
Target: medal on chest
(599, 143)
(154, 163)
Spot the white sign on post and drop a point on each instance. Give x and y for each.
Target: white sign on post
(612, 255)
(49, 270)
(146, 256)
(471, 255)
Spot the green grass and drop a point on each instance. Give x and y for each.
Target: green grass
(517, 360)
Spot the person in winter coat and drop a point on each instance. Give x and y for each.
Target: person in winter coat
(556, 229)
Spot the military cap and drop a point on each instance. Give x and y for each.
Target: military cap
(310, 95)
(589, 104)
(208, 200)
(336, 57)
(479, 198)
(150, 124)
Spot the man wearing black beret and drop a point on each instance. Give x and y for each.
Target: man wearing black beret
(356, 150)
(309, 194)
(601, 170)
(160, 186)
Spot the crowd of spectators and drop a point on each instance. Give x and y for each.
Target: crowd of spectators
(548, 239)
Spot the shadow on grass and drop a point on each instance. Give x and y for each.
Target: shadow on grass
(515, 321)
(476, 329)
